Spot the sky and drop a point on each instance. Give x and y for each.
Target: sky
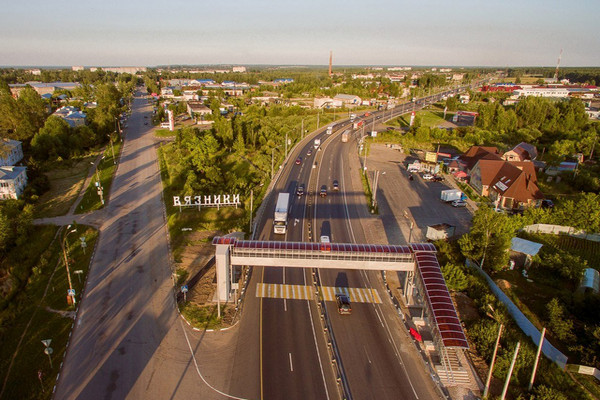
(498, 33)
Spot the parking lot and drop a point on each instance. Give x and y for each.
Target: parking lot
(403, 202)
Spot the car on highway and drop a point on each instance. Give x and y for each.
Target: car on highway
(323, 192)
(325, 239)
(145, 123)
(427, 177)
(309, 153)
(298, 161)
(336, 186)
(343, 304)
(459, 203)
(300, 190)
(438, 178)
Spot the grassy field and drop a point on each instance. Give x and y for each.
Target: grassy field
(39, 312)
(429, 118)
(164, 133)
(66, 181)
(106, 170)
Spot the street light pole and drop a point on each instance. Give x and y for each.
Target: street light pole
(67, 262)
(112, 149)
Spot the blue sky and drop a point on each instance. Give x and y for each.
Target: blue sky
(428, 32)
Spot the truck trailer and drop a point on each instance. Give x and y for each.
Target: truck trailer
(451, 195)
(345, 136)
(317, 143)
(281, 213)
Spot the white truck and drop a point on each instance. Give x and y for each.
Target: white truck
(352, 117)
(281, 213)
(317, 143)
(330, 129)
(451, 195)
(345, 136)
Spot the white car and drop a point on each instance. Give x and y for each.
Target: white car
(427, 177)
(459, 203)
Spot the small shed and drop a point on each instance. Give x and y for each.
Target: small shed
(590, 280)
(525, 247)
(440, 231)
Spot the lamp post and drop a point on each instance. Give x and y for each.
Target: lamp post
(71, 292)
(112, 149)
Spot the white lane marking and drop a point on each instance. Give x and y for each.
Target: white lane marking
(367, 353)
(284, 300)
(291, 365)
(198, 368)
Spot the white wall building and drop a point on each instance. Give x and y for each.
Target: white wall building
(11, 152)
(12, 182)
(542, 92)
(239, 69)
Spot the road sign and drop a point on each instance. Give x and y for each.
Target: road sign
(47, 342)
(48, 350)
(184, 289)
(71, 292)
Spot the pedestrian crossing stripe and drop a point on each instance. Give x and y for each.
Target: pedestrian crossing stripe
(327, 293)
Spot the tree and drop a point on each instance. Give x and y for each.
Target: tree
(558, 322)
(488, 240)
(455, 278)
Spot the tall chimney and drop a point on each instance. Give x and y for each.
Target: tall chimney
(330, 59)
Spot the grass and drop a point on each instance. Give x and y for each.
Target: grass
(589, 382)
(66, 181)
(164, 133)
(429, 118)
(43, 312)
(106, 169)
(586, 249)
(203, 317)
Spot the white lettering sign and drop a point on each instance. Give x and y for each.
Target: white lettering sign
(220, 200)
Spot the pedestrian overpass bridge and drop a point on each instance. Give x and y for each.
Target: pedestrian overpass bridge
(417, 259)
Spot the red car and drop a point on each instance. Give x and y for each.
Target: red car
(298, 161)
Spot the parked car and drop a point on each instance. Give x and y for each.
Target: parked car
(336, 186)
(427, 177)
(438, 178)
(300, 190)
(343, 304)
(298, 161)
(323, 192)
(547, 203)
(459, 203)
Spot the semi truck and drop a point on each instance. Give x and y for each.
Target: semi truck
(281, 213)
(330, 129)
(451, 195)
(345, 135)
(317, 143)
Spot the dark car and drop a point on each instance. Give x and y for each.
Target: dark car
(547, 203)
(336, 186)
(343, 304)
(300, 190)
(298, 161)
(323, 192)
(437, 178)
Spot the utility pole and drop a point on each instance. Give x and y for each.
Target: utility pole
(286, 144)
(537, 358)
(71, 292)
(302, 130)
(251, 201)
(272, 163)
(489, 377)
(318, 117)
(510, 371)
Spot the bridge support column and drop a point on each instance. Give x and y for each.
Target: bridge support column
(223, 266)
(408, 288)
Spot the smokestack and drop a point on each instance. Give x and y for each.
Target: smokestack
(330, 59)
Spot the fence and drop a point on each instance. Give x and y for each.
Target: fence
(525, 324)
(562, 230)
(582, 369)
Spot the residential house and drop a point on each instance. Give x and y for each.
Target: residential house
(12, 181)
(11, 152)
(510, 185)
(521, 152)
(71, 115)
(476, 153)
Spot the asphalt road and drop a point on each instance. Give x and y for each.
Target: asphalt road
(127, 340)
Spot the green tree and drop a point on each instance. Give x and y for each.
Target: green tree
(455, 278)
(558, 322)
(489, 239)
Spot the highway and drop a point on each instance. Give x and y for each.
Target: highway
(378, 361)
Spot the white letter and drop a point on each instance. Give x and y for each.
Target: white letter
(188, 200)
(176, 201)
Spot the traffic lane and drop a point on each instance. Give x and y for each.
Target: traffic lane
(290, 363)
(371, 367)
